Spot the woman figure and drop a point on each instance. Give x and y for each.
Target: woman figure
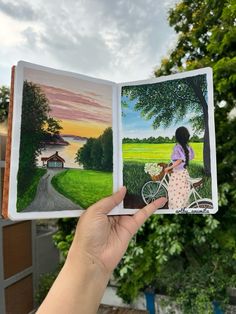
(179, 186)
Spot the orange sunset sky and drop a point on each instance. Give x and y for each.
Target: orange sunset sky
(84, 107)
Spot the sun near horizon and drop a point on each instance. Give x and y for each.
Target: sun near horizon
(83, 129)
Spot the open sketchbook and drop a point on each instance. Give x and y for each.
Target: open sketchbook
(75, 139)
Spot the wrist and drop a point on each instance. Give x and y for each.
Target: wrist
(78, 259)
(78, 288)
(89, 278)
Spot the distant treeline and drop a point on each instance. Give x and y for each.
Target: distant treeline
(159, 140)
(97, 153)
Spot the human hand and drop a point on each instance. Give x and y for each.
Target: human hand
(99, 243)
(104, 239)
(167, 169)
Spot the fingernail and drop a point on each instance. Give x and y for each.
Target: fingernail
(162, 203)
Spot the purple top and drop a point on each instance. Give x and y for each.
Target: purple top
(178, 153)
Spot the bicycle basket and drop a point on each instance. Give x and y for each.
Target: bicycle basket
(160, 176)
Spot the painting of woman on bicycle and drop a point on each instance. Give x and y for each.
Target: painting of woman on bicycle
(168, 143)
(179, 185)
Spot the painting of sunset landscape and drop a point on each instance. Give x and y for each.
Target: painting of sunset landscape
(65, 151)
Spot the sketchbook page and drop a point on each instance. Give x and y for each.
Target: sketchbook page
(61, 151)
(169, 122)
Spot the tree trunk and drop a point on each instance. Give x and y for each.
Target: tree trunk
(194, 83)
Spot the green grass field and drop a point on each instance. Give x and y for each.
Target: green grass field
(28, 197)
(135, 155)
(143, 152)
(84, 187)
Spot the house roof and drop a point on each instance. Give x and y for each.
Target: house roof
(54, 157)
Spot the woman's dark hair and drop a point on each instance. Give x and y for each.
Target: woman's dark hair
(182, 137)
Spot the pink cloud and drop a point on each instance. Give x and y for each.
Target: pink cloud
(69, 105)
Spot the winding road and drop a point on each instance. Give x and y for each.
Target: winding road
(47, 198)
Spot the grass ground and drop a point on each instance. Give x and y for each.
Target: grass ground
(134, 178)
(143, 152)
(84, 187)
(135, 155)
(27, 198)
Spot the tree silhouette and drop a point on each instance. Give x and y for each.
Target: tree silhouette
(35, 109)
(35, 117)
(97, 153)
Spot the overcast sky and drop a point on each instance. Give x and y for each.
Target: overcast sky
(118, 40)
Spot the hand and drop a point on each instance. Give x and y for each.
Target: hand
(104, 239)
(99, 243)
(167, 169)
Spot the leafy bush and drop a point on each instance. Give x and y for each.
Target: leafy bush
(134, 177)
(160, 241)
(195, 287)
(65, 234)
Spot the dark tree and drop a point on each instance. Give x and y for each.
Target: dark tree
(4, 102)
(107, 149)
(84, 156)
(53, 126)
(35, 109)
(97, 153)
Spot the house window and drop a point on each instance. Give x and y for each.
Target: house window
(55, 164)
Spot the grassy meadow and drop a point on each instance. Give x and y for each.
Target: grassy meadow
(145, 152)
(83, 187)
(135, 155)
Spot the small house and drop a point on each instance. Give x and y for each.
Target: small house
(54, 161)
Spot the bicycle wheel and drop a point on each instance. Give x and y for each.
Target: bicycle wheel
(152, 190)
(202, 204)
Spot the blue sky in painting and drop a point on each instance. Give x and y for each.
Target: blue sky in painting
(135, 126)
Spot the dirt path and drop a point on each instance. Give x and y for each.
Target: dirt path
(47, 198)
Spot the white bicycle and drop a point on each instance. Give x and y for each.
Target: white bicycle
(152, 190)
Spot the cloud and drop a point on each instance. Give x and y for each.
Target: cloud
(119, 40)
(19, 10)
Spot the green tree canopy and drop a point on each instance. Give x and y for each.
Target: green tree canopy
(35, 109)
(4, 102)
(97, 153)
(36, 125)
(169, 101)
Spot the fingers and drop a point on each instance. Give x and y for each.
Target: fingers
(142, 215)
(105, 205)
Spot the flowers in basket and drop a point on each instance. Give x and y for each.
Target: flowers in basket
(154, 170)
